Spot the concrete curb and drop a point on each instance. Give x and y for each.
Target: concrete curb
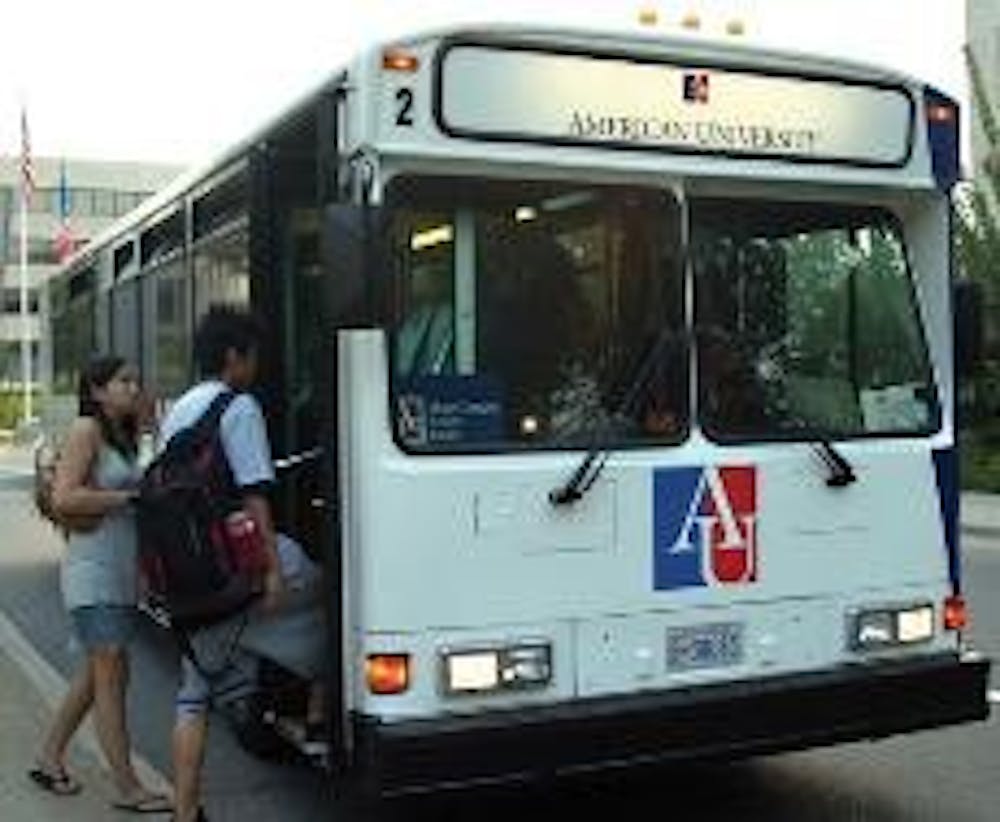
(51, 686)
(985, 531)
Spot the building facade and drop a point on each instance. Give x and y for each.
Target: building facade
(85, 196)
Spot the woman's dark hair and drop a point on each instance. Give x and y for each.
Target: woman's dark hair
(221, 329)
(98, 373)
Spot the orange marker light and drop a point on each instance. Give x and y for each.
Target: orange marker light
(388, 674)
(940, 113)
(736, 28)
(956, 614)
(398, 60)
(691, 21)
(648, 16)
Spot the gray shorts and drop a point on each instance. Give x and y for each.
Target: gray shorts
(227, 653)
(219, 667)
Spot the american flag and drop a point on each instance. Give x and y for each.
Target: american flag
(27, 168)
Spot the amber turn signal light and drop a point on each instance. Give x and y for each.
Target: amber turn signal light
(398, 60)
(956, 614)
(388, 674)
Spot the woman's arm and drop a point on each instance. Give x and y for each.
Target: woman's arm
(71, 496)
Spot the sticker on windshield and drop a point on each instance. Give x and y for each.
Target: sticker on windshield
(704, 527)
(449, 410)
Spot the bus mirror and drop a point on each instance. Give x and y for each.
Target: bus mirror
(351, 243)
(968, 306)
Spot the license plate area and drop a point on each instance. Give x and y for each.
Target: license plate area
(705, 646)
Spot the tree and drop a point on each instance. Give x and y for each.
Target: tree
(977, 247)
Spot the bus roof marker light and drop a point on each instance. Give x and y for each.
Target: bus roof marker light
(399, 60)
(736, 28)
(942, 137)
(941, 113)
(648, 16)
(691, 21)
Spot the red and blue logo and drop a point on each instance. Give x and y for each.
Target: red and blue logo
(704, 527)
(696, 84)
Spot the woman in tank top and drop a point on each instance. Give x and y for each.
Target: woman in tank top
(94, 485)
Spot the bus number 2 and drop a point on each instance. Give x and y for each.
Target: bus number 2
(405, 99)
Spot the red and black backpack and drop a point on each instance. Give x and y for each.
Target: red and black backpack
(201, 554)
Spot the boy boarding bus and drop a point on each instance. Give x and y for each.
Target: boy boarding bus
(631, 365)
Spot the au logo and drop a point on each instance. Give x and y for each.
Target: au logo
(696, 84)
(704, 527)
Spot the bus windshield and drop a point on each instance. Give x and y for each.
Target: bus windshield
(807, 323)
(524, 310)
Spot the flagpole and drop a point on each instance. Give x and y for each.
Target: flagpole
(26, 171)
(25, 320)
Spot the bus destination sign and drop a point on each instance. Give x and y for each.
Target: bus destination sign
(491, 92)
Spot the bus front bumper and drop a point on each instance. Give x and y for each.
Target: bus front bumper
(715, 721)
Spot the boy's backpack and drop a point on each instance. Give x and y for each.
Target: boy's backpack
(202, 555)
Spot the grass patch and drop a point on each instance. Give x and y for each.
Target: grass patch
(12, 407)
(980, 452)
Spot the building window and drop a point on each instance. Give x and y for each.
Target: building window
(43, 201)
(10, 363)
(12, 301)
(125, 201)
(104, 203)
(82, 200)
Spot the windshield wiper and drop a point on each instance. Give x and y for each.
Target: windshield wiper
(586, 473)
(841, 471)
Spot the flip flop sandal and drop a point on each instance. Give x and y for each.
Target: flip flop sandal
(199, 818)
(146, 803)
(55, 780)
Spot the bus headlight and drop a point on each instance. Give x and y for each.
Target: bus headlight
(883, 627)
(497, 669)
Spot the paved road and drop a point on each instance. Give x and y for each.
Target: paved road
(941, 775)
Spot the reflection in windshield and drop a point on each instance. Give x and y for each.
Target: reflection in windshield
(525, 310)
(807, 323)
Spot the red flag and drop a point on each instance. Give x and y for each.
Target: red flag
(64, 245)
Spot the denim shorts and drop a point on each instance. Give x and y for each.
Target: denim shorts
(103, 626)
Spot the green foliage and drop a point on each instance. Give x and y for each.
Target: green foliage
(981, 459)
(11, 408)
(977, 250)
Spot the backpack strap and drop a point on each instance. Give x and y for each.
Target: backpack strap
(206, 425)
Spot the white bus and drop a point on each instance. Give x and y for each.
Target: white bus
(631, 360)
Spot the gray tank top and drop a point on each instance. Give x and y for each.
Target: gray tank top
(101, 566)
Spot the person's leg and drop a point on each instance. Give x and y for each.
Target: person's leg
(50, 766)
(189, 739)
(190, 735)
(71, 712)
(110, 682)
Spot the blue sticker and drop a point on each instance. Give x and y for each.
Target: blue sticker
(449, 410)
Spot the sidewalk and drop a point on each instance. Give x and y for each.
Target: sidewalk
(23, 719)
(981, 514)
